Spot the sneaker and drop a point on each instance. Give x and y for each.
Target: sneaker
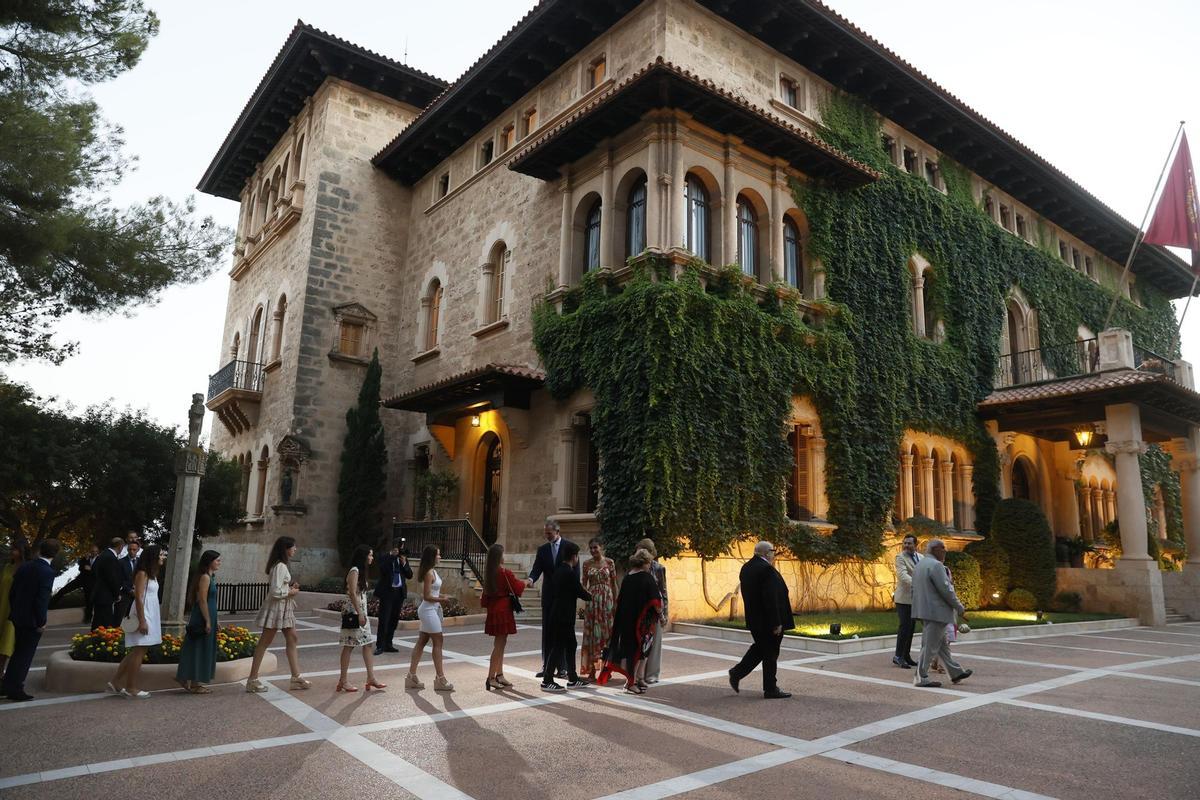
(578, 683)
(110, 689)
(254, 686)
(141, 694)
(552, 687)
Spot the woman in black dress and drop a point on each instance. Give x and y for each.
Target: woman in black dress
(639, 605)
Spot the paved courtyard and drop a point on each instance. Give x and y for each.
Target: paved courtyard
(1100, 715)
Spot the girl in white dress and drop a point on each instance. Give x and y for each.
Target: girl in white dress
(356, 595)
(278, 612)
(143, 626)
(430, 615)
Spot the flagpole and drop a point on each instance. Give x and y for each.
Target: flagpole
(1141, 232)
(1179, 327)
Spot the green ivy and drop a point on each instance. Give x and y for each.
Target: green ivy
(693, 383)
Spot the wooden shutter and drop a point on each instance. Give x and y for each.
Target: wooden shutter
(583, 476)
(803, 476)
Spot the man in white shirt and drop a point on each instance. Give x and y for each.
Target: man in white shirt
(906, 563)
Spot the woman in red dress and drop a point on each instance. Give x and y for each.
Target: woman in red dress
(500, 588)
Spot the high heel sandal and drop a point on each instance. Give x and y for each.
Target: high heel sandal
(502, 681)
(440, 684)
(412, 682)
(633, 688)
(344, 687)
(299, 683)
(487, 684)
(372, 684)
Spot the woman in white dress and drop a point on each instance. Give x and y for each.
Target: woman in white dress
(143, 626)
(430, 615)
(278, 612)
(360, 635)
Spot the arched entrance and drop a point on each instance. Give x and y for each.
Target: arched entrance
(492, 454)
(1024, 480)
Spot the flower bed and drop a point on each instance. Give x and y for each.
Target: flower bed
(407, 612)
(107, 645)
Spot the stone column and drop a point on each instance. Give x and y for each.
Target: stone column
(918, 304)
(606, 213)
(655, 209)
(566, 460)
(1110, 509)
(1185, 458)
(927, 486)
(947, 478)
(1141, 581)
(677, 204)
(968, 497)
(729, 228)
(906, 486)
(189, 468)
(564, 242)
(1097, 506)
(777, 207)
(820, 501)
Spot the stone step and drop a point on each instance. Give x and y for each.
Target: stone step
(1174, 618)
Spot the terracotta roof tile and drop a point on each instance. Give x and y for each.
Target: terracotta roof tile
(1065, 387)
(512, 370)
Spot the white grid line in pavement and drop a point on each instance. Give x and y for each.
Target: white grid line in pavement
(350, 738)
(1128, 639)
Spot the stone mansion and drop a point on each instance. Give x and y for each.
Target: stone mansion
(385, 209)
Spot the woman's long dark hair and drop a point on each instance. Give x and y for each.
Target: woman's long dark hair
(428, 556)
(359, 559)
(279, 552)
(206, 560)
(148, 562)
(491, 569)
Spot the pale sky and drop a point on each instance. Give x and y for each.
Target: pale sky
(1096, 88)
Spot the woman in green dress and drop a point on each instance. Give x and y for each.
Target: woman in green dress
(8, 634)
(198, 656)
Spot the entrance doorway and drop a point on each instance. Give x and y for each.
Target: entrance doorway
(493, 461)
(1024, 480)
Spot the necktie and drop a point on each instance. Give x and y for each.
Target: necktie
(554, 551)
(395, 574)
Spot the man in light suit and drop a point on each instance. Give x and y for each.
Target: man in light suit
(935, 604)
(545, 562)
(29, 600)
(906, 563)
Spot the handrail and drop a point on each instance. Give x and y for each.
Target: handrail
(457, 540)
(1081, 357)
(1150, 361)
(245, 375)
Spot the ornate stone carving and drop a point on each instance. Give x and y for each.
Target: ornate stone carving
(195, 419)
(1137, 448)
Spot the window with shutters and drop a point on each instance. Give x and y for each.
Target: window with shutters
(800, 489)
(591, 241)
(595, 73)
(353, 333)
(487, 151)
(911, 161)
(529, 122)
(433, 313)
(350, 341)
(508, 137)
(497, 266)
(635, 219)
(585, 476)
(789, 91)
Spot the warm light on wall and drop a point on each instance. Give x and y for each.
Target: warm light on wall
(474, 420)
(1083, 435)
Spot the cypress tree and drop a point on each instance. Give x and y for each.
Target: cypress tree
(362, 484)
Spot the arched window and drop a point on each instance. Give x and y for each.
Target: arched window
(635, 219)
(800, 491)
(498, 265)
(591, 238)
(296, 175)
(255, 334)
(793, 263)
(260, 498)
(433, 314)
(747, 240)
(698, 222)
(280, 313)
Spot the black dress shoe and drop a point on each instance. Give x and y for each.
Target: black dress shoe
(378, 651)
(963, 676)
(540, 675)
(391, 649)
(776, 694)
(910, 662)
(733, 682)
(20, 697)
(901, 663)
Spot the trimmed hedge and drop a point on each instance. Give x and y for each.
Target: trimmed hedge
(1070, 602)
(1022, 600)
(968, 584)
(1020, 527)
(993, 571)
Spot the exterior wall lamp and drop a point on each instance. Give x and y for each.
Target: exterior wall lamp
(1083, 435)
(474, 420)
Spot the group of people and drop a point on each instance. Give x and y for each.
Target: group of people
(925, 592)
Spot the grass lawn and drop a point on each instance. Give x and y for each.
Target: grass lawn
(881, 623)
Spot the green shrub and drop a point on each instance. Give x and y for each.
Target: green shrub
(967, 581)
(334, 585)
(1069, 602)
(993, 571)
(1022, 600)
(923, 528)
(1020, 527)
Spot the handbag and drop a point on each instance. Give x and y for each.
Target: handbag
(513, 600)
(195, 630)
(350, 620)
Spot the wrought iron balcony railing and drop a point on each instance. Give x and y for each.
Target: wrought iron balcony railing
(244, 375)
(1080, 357)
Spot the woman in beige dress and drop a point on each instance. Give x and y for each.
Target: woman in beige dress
(359, 636)
(278, 612)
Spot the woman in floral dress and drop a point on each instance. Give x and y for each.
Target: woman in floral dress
(600, 580)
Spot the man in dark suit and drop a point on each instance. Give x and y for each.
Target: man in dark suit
(133, 549)
(768, 615)
(391, 591)
(29, 601)
(109, 579)
(545, 562)
(84, 580)
(561, 619)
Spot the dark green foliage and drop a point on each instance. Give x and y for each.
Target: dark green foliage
(1020, 527)
(362, 482)
(63, 247)
(220, 491)
(993, 571)
(1070, 602)
(923, 528)
(692, 387)
(968, 584)
(1156, 471)
(1021, 600)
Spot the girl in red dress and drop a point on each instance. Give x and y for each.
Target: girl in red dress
(500, 586)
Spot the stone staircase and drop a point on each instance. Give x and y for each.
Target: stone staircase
(1174, 616)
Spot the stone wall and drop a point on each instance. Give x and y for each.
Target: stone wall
(1132, 588)
(1181, 591)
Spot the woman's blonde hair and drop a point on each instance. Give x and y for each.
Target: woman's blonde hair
(648, 546)
(640, 558)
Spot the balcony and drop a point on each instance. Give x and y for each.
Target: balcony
(1081, 357)
(234, 395)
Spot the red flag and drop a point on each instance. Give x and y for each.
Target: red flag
(1176, 221)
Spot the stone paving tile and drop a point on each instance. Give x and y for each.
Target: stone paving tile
(1188, 670)
(1048, 753)
(116, 727)
(1039, 650)
(1167, 704)
(819, 705)
(823, 778)
(624, 749)
(293, 772)
(1133, 641)
(989, 675)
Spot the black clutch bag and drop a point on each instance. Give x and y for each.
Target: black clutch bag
(195, 630)
(350, 620)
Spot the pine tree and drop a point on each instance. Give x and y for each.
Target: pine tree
(362, 484)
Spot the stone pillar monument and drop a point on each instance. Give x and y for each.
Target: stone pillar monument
(189, 467)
